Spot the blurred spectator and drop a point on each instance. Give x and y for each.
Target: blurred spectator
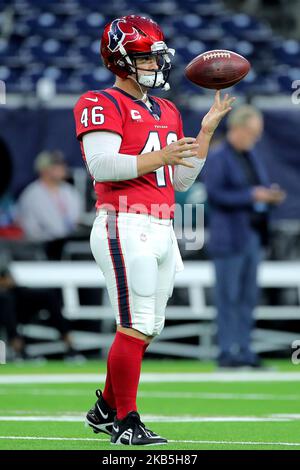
(50, 208)
(6, 168)
(239, 196)
(9, 228)
(21, 304)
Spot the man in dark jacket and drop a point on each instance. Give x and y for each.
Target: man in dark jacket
(239, 196)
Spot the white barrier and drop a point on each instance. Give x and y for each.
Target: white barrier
(69, 276)
(197, 276)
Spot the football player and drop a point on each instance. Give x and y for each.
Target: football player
(135, 150)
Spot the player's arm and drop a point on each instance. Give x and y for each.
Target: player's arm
(185, 177)
(105, 163)
(99, 125)
(211, 120)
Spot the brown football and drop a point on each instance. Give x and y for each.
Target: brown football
(217, 69)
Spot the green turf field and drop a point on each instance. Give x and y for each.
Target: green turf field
(43, 406)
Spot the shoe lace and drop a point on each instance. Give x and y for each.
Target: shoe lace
(143, 426)
(137, 419)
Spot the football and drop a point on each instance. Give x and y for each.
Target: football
(217, 69)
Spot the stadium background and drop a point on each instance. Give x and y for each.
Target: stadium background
(49, 55)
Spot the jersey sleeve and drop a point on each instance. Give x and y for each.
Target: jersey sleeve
(95, 111)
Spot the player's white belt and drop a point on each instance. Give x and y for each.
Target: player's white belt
(152, 218)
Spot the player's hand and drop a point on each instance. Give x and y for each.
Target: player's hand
(219, 109)
(175, 153)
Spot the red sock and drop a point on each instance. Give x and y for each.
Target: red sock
(125, 361)
(108, 393)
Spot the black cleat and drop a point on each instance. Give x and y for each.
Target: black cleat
(101, 417)
(131, 431)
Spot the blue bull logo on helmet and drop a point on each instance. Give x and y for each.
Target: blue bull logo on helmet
(118, 37)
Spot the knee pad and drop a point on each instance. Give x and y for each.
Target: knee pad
(143, 275)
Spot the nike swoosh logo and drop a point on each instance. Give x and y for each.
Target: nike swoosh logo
(116, 428)
(92, 99)
(105, 416)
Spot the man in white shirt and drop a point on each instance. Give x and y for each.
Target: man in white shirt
(49, 208)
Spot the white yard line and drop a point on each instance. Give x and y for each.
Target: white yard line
(80, 418)
(165, 395)
(242, 443)
(287, 415)
(51, 378)
(35, 438)
(219, 396)
(248, 376)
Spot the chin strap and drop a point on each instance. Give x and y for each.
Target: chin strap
(144, 94)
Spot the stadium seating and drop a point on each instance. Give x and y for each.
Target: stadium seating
(65, 35)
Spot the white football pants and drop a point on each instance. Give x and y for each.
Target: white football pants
(137, 254)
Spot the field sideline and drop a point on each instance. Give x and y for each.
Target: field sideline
(42, 406)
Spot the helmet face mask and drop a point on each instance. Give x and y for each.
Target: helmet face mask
(151, 77)
(127, 39)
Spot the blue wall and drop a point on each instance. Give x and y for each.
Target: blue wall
(26, 132)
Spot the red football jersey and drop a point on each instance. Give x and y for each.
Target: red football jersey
(142, 130)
